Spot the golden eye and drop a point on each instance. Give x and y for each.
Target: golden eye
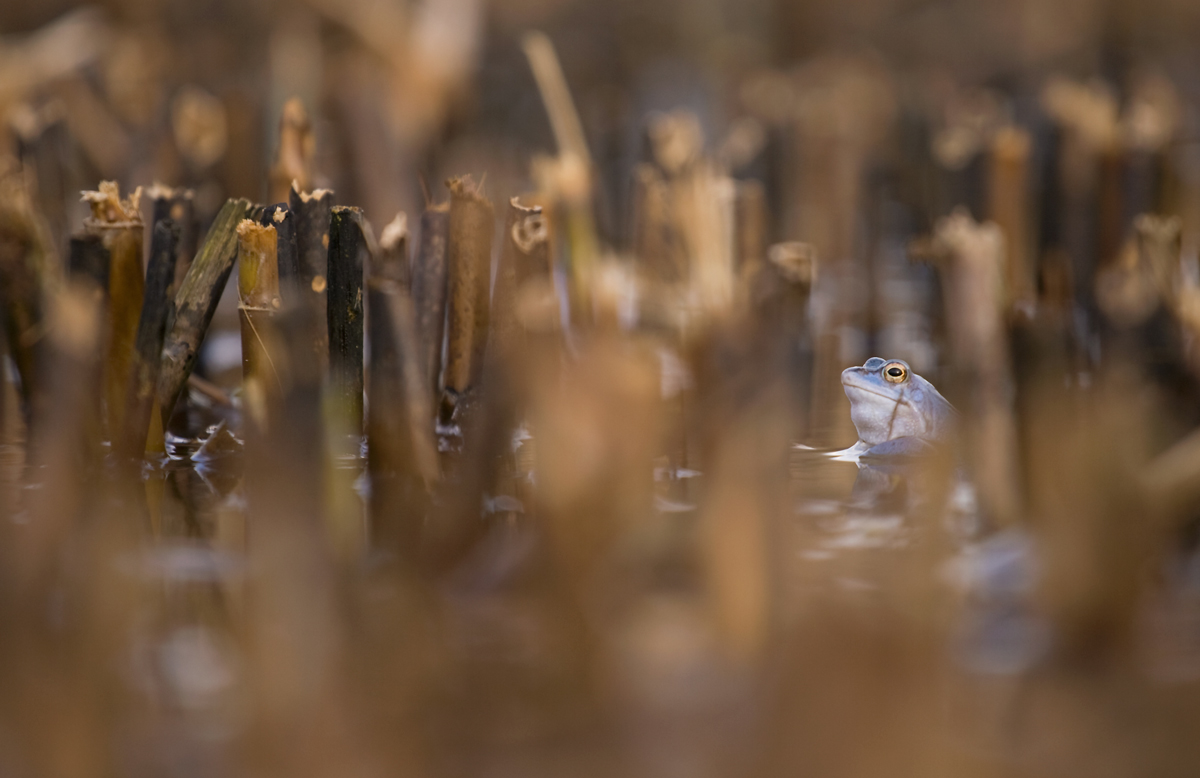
(895, 373)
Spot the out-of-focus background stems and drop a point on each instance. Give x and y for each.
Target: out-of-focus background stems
(452, 388)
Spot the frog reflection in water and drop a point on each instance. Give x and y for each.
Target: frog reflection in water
(896, 411)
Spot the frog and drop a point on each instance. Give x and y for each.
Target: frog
(896, 411)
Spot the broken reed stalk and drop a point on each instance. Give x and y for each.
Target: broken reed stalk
(27, 261)
(402, 453)
(119, 225)
(350, 243)
(196, 301)
(524, 255)
(486, 465)
(1159, 242)
(147, 354)
(287, 252)
(429, 286)
(654, 242)
(972, 266)
(572, 177)
(1008, 198)
(472, 223)
(779, 297)
(393, 261)
(347, 249)
(179, 206)
(783, 286)
(294, 158)
(312, 213)
(258, 299)
(1143, 280)
(849, 109)
(749, 226)
(705, 207)
(1086, 118)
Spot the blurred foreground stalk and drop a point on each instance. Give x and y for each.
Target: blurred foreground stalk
(402, 452)
(28, 270)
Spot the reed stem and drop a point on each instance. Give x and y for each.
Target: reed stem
(472, 223)
(196, 301)
(147, 354)
(347, 249)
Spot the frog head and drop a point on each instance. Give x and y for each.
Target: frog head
(888, 401)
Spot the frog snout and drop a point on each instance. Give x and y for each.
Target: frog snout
(853, 376)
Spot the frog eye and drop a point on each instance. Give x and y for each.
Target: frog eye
(895, 373)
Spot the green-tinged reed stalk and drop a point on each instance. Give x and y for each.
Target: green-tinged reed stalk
(196, 301)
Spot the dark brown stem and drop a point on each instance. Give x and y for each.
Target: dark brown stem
(87, 261)
(312, 214)
(147, 355)
(179, 206)
(347, 247)
(429, 290)
(524, 255)
(280, 217)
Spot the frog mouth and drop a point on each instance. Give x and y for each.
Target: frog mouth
(902, 399)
